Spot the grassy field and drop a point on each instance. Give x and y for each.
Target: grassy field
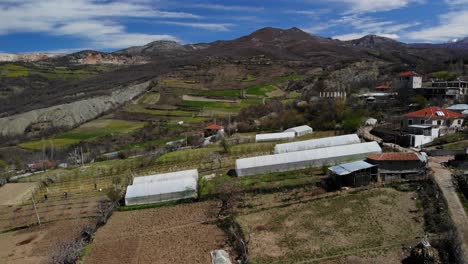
(221, 93)
(12, 70)
(348, 224)
(88, 131)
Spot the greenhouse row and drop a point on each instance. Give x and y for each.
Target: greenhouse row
(300, 130)
(317, 143)
(305, 159)
(162, 187)
(274, 136)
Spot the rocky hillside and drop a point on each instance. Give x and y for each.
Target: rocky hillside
(27, 57)
(68, 115)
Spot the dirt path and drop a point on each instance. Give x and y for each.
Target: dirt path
(443, 177)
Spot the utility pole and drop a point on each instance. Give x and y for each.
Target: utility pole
(35, 209)
(82, 161)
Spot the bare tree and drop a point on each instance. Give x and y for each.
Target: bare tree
(229, 194)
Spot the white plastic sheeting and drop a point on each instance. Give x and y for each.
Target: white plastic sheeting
(162, 187)
(187, 174)
(274, 136)
(300, 130)
(305, 159)
(317, 143)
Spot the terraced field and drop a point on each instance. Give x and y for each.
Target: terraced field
(89, 131)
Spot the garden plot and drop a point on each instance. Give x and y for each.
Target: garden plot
(178, 234)
(49, 211)
(360, 224)
(37, 244)
(16, 193)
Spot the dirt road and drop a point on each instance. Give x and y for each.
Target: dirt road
(443, 177)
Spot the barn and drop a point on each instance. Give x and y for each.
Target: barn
(274, 136)
(305, 159)
(300, 130)
(162, 187)
(317, 143)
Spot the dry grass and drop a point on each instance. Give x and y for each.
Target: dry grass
(348, 224)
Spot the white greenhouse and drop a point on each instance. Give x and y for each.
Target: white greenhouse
(274, 136)
(317, 143)
(305, 159)
(171, 176)
(300, 130)
(162, 187)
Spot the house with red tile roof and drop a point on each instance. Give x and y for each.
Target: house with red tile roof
(212, 130)
(425, 125)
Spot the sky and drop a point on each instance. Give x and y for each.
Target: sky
(109, 25)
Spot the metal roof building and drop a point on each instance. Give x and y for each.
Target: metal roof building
(300, 130)
(162, 187)
(305, 159)
(274, 136)
(317, 143)
(348, 168)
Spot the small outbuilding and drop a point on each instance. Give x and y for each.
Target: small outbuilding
(305, 159)
(162, 187)
(213, 129)
(300, 130)
(354, 174)
(317, 143)
(399, 165)
(274, 136)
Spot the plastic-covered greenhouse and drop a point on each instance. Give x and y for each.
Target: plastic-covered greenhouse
(274, 136)
(300, 130)
(317, 143)
(162, 187)
(187, 174)
(305, 159)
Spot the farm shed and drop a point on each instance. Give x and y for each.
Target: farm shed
(317, 143)
(399, 165)
(354, 174)
(305, 159)
(171, 176)
(274, 136)
(162, 187)
(300, 130)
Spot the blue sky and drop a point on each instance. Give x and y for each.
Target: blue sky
(107, 25)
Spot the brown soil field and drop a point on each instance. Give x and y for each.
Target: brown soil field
(178, 234)
(36, 245)
(16, 193)
(24, 215)
(367, 226)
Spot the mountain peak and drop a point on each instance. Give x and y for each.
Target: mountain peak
(271, 34)
(375, 41)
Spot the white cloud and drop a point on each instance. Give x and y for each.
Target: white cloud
(352, 36)
(371, 6)
(94, 20)
(314, 12)
(206, 26)
(451, 25)
(364, 25)
(229, 7)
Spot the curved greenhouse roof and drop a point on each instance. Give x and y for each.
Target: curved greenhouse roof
(305, 159)
(274, 136)
(300, 130)
(317, 143)
(187, 174)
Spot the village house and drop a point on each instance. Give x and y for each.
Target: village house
(425, 125)
(213, 130)
(399, 165)
(454, 90)
(410, 80)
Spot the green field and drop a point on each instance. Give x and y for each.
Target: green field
(12, 70)
(88, 131)
(141, 109)
(221, 93)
